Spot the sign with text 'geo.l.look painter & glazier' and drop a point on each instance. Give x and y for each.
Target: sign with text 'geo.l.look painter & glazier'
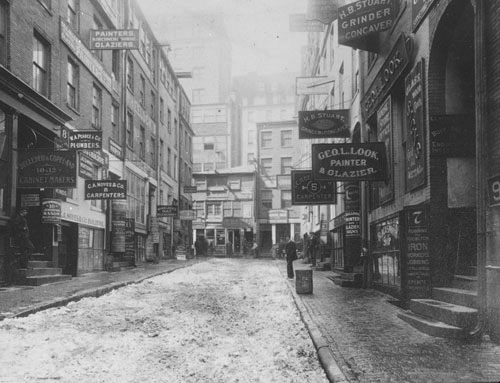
(324, 124)
(349, 162)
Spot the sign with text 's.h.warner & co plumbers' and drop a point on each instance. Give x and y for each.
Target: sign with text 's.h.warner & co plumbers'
(349, 162)
(308, 191)
(324, 124)
(363, 18)
(97, 189)
(46, 169)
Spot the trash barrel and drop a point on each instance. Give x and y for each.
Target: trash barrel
(304, 281)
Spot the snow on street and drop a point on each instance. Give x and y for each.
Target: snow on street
(224, 320)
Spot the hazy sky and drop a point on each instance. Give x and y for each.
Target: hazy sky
(259, 30)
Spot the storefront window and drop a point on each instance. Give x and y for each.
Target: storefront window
(136, 198)
(386, 253)
(90, 249)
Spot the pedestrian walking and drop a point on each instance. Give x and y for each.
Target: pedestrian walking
(198, 246)
(21, 237)
(291, 255)
(314, 246)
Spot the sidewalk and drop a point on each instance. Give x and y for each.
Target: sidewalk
(18, 301)
(370, 344)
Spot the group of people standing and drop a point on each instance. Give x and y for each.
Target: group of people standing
(310, 247)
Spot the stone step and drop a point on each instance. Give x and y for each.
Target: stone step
(339, 281)
(325, 266)
(465, 282)
(43, 280)
(461, 297)
(40, 271)
(453, 315)
(432, 327)
(39, 264)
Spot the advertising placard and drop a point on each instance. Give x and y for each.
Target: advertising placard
(324, 124)
(118, 215)
(51, 211)
(167, 211)
(384, 134)
(415, 140)
(349, 162)
(352, 217)
(114, 39)
(46, 169)
(364, 18)
(98, 189)
(417, 253)
(85, 140)
(130, 238)
(451, 135)
(494, 190)
(85, 167)
(308, 191)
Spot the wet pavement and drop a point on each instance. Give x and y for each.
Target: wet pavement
(357, 332)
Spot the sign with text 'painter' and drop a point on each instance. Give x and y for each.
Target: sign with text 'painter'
(99, 189)
(349, 162)
(85, 140)
(363, 18)
(114, 39)
(324, 124)
(308, 191)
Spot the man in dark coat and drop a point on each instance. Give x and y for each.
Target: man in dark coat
(291, 255)
(21, 237)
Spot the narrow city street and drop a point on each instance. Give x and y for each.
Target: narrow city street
(224, 320)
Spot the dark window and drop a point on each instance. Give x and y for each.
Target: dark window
(96, 107)
(72, 16)
(3, 32)
(40, 64)
(72, 88)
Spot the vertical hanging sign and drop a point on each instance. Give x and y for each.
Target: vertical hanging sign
(415, 141)
(384, 133)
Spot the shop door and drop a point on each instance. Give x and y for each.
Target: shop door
(68, 249)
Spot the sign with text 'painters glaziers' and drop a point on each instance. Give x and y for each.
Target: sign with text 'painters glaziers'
(363, 18)
(46, 169)
(349, 162)
(100, 189)
(324, 124)
(308, 191)
(85, 140)
(114, 39)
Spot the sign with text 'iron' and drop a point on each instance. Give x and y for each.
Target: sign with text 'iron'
(349, 162)
(46, 169)
(324, 124)
(114, 39)
(308, 191)
(98, 189)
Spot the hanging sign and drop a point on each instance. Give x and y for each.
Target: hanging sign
(46, 169)
(349, 162)
(415, 141)
(85, 140)
(419, 9)
(187, 215)
(114, 39)
(324, 11)
(299, 23)
(362, 19)
(190, 189)
(308, 191)
(97, 189)
(51, 211)
(384, 134)
(313, 85)
(324, 124)
(167, 210)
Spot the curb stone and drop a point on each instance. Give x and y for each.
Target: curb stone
(332, 369)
